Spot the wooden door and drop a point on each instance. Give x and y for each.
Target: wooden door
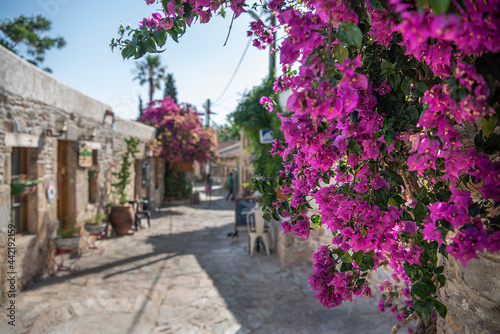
(63, 211)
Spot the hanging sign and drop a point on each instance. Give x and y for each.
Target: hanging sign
(85, 155)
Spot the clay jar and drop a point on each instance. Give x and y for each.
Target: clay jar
(121, 219)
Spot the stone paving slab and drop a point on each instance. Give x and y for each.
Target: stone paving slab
(184, 275)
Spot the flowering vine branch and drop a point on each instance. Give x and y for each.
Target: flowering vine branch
(391, 128)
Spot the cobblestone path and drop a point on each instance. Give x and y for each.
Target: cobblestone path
(184, 275)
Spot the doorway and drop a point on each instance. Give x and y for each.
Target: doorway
(66, 170)
(19, 204)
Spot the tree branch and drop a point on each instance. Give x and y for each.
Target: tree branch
(404, 323)
(230, 27)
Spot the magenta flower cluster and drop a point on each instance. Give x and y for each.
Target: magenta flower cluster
(181, 135)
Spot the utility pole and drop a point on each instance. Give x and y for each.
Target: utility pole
(208, 112)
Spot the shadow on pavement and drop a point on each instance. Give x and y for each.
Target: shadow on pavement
(188, 258)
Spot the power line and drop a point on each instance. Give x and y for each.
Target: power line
(235, 71)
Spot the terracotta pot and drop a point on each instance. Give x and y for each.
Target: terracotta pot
(121, 219)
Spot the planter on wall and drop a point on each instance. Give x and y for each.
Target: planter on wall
(93, 173)
(121, 219)
(19, 189)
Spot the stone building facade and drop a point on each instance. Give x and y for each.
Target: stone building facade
(46, 127)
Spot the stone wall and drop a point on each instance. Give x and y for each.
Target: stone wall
(472, 296)
(294, 250)
(31, 101)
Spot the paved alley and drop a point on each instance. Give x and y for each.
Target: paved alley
(184, 275)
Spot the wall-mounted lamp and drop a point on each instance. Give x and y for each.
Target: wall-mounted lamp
(61, 126)
(90, 133)
(110, 113)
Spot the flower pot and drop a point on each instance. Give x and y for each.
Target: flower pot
(67, 243)
(95, 228)
(93, 173)
(121, 219)
(19, 189)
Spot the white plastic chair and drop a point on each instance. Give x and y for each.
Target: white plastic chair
(257, 229)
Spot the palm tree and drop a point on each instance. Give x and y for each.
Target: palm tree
(149, 70)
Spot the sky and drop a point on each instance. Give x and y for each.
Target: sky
(201, 66)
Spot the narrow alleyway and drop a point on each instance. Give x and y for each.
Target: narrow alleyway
(184, 275)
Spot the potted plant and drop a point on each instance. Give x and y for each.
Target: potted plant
(67, 236)
(96, 225)
(94, 171)
(122, 215)
(22, 185)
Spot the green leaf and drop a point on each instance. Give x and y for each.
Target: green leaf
(488, 125)
(173, 33)
(492, 145)
(399, 200)
(431, 250)
(366, 263)
(150, 45)
(419, 89)
(393, 178)
(441, 279)
(420, 211)
(360, 282)
(382, 195)
(423, 309)
(141, 50)
(375, 4)
(357, 257)
(442, 251)
(392, 202)
(395, 81)
(474, 209)
(385, 66)
(276, 216)
(439, 270)
(442, 310)
(160, 37)
(409, 271)
(430, 284)
(128, 52)
(389, 137)
(346, 258)
(439, 6)
(414, 114)
(420, 289)
(349, 33)
(406, 86)
(316, 220)
(345, 267)
(340, 53)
